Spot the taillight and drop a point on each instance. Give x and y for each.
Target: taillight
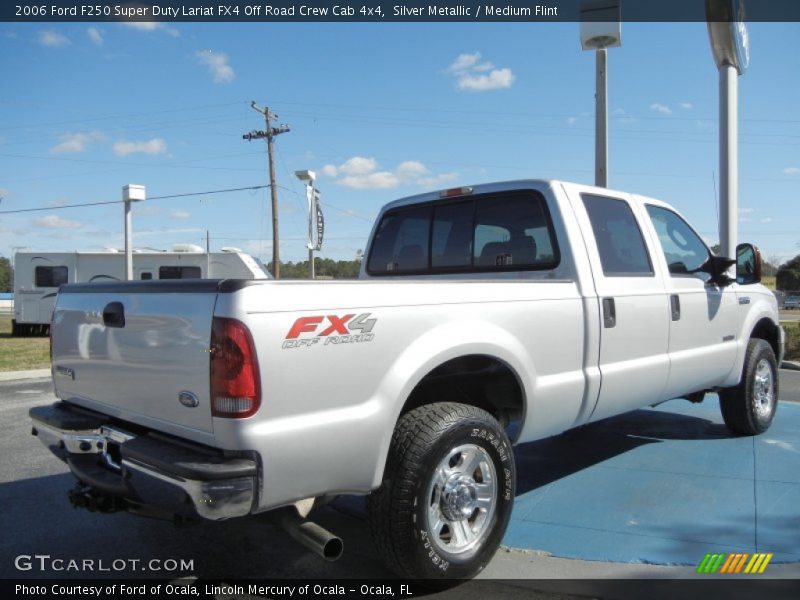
(235, 384)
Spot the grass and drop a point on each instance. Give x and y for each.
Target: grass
(19, 353)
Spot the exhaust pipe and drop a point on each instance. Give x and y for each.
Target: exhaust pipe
(312, 536)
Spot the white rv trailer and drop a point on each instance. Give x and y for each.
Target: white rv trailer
(38, 275)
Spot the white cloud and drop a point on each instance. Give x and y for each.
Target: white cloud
(152, 147)
(217, 65)
(360, 172)
(792, 170)
(476, 76)
(52, 39)
(686, 105)
(411, 169)
(572, 120)
(76, 142)
(330, 170)
(180, 215)
(371, 181)
(358, 165)
(56, 222)
(766, 220)
(464, 62)
(150, 26)
(746, 211)
(95, 35)
(5, 193)
(661, 108)
(495, 80)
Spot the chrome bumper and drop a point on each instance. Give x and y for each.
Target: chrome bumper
(147, 470)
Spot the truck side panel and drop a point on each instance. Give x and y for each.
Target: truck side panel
(328, 427)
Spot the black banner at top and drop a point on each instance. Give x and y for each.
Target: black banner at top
(378, 11)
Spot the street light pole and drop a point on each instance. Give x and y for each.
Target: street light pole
(600, 30)
(730, 48)
(601, 120)
(130, 193)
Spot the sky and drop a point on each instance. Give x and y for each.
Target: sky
(379, 111)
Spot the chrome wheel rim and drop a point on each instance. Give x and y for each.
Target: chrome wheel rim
(763, 388)
(462, 498)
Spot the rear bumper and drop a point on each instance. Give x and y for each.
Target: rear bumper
(146, 469)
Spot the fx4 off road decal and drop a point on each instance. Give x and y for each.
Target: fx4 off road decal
(330, 329)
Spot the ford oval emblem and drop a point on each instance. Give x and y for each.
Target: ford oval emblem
(188, 399)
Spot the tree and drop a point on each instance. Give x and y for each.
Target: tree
(788, 276)
(6, 275)
(323, 267)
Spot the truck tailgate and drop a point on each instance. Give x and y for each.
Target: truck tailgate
(136, 350)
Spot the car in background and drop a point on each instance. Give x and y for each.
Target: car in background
(791, 302)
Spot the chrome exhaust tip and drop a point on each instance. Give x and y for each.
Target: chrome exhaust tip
(314, 537)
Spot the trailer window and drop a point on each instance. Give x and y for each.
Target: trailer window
(146, 275)
(508, 231)
(51, 276)
(179, 273)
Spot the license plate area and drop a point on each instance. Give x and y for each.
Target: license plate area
(113, 439)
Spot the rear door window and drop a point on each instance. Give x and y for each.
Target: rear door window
(619, 240)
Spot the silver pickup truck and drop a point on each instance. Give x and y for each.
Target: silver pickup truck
(484, 316)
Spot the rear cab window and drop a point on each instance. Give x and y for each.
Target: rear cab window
(505, 231)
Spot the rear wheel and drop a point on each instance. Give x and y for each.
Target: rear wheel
(749, 407)
(445, 502)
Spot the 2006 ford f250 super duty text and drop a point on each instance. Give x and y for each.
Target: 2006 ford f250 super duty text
(484, 315)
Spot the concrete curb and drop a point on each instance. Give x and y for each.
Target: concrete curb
(791, 365)
(32, 374)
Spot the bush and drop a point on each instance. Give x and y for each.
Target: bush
(792, 341)
(788, 276)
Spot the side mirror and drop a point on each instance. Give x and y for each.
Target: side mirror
(748, 264)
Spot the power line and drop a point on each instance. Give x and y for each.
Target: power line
(25, 210)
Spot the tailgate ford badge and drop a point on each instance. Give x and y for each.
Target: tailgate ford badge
(188, 399)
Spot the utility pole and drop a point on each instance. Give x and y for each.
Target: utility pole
(270, 134)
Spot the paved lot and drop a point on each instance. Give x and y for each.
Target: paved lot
(37, 519)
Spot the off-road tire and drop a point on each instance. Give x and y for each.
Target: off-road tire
(445, 459)
(749, 407)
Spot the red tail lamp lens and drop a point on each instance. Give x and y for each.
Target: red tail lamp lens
(235, 384)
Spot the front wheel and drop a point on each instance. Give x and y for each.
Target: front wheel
(749, 407)
(448, 492)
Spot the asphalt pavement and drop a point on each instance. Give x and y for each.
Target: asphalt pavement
(38, 519)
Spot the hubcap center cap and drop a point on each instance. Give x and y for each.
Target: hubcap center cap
(459, 498)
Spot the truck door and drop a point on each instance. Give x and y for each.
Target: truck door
(704, 317)
(634, 321)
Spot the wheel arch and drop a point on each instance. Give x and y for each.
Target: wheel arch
(769, 331)
(451, 357)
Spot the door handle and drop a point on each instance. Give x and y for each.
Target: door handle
(675, 307)
(609, 313)
(114, 315)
